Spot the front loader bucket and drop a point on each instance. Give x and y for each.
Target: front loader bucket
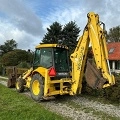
(11, 81)
(93, 76)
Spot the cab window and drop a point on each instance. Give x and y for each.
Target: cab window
(61, 60)
(37, 57)
(46, 57)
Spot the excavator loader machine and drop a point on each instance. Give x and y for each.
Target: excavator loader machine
(51, 75)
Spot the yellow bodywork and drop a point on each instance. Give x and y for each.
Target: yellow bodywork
(36, 87)
(93, 34)
(51, 45)
(49, 88)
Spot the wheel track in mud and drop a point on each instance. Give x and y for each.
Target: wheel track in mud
(80, 108)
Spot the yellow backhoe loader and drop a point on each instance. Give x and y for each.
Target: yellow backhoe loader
(51, 74)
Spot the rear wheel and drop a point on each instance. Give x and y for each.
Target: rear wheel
(20, 85)
(37, 87)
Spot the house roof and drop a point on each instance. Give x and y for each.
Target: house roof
(113, 50)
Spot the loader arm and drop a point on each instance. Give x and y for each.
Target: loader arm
(93, 34)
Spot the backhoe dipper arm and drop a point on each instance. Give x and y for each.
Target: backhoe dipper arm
(93, 34)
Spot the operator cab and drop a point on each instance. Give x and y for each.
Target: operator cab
(54, 56)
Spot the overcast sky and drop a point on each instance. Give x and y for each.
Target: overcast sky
(26, 21)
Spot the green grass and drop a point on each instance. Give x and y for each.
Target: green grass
(14, 106)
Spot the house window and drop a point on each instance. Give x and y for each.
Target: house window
(110, 63)
(117, 65)
(111, 50)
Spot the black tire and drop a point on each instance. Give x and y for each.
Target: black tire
(20, 85)
(37, 87)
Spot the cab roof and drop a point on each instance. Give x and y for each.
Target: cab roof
(42, 45)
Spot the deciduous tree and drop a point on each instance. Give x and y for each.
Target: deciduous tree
(114, 34)
(15, 57)
(9, 45)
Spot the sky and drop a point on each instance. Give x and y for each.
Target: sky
(26, 21)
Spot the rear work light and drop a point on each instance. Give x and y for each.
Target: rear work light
(52, 72)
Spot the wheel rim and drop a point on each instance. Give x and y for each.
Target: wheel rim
(17, 85)
(36, 87)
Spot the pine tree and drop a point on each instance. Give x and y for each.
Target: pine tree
(70, 33)
(53, 33)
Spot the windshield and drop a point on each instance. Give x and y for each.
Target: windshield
(46, 57)
(43, 57)
(61, 60)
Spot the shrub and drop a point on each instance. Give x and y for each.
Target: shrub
(111, 93)
(24, 65)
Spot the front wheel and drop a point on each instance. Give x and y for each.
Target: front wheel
(37, 87)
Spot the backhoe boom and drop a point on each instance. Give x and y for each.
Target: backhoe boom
(93, 34)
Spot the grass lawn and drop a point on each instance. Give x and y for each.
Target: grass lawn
(14, 106)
